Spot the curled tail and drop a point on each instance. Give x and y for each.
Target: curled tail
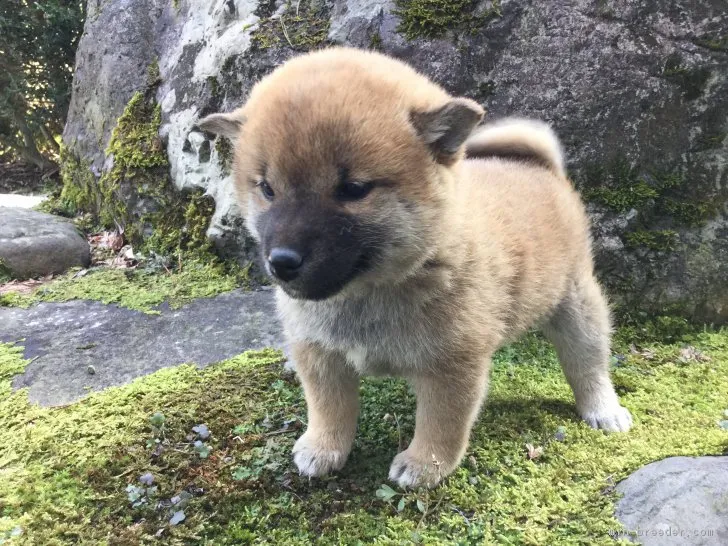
(519, 140)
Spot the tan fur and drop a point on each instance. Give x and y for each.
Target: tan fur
(480, 250)
(515, 138)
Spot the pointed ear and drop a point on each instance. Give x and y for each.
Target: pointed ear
(227, 125)
(445, 129)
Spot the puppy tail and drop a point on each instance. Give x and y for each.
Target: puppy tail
(519, 140)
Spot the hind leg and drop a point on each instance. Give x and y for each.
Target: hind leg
(580, 330)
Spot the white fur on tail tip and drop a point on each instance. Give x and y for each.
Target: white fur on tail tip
(518, 136)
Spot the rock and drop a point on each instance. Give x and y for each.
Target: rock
(679, 500)
(20, 201)
(638, 92)
(82, 345)
(33, 244)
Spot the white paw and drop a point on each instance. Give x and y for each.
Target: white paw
(315, 461)
(290, 364)
(613, 419)
(410, 471)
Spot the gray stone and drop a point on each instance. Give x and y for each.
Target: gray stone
(680, 500)
(34, 244)
(81, 346)
(21, 201)
(636, 90)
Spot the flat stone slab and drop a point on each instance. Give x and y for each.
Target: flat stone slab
(679, 500)
(81, 346)
(33, 244)
(21, 201)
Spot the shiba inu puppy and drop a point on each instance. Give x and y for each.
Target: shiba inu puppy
(402, 243)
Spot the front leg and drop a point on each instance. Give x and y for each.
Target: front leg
(447, 405)
(331, 389)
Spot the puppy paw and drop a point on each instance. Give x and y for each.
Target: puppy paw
(410, 470)
(612, 419)
(315, 459)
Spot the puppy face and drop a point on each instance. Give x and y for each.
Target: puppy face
(341, 166)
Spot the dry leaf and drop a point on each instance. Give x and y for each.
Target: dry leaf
(23, 287)
(688, 353)
(533, 452)
(647, 354)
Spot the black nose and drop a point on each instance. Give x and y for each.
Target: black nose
(285, 263)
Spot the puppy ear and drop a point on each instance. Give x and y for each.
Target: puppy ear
(227, 125)
(445, 129)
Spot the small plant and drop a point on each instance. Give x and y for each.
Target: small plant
(200, 447)
(141, 495)
(157, 421)
(202, 431)
(262, 459)
(387, 494)
(177, 518)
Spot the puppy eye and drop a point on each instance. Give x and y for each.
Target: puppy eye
(353, 191)
(266, 190)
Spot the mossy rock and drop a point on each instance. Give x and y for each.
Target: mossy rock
(433, 18)
(135, 193)
(141, 289)
(302, 26)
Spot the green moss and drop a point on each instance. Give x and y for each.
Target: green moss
(486, 89)
(623, 187)
(302, 26)
(136, 194)
(5, 274)
(692, 80)
(605, 10)
(433, 18)
(214, 86)
(138, 289)
(154, 77)
(693, 214)
(224, 150)
(618, 185)
(715, 42)
(181, 227)
(663, 240)
(64, 468)
(623, 199)
(375, 42)
(660, 329)
(79, 192)
(711, 141)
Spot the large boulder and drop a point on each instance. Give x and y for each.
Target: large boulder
(638, 91)
(33, 244)
(679, 500)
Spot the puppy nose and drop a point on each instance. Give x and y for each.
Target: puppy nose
(285, 263)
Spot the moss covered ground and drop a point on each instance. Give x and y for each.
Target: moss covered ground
(140, 289)
(189, 456)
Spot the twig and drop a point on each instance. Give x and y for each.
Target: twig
(129, 471)
(281, 431)
(285, 33)
(399, 433)
(442, 493)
